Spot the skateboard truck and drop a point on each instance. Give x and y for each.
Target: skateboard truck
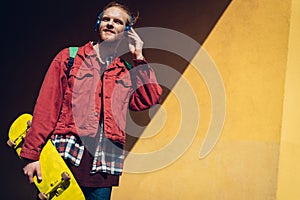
(19, 140)
(56, 188)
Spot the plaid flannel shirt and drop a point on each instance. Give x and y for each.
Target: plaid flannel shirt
(108, 157)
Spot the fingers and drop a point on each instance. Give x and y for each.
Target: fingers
(29, 174)
(134, 36)
(33, 169)
(135, 44)
(131, 30)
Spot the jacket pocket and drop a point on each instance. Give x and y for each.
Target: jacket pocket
(81, 80)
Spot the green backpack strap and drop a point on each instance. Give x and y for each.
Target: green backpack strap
(73, 51)
(127, 65)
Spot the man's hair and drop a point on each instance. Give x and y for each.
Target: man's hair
(133, 17)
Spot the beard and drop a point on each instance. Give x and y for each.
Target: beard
(110, 45)
(111, 37)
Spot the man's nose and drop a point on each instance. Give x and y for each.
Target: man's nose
(110, 24)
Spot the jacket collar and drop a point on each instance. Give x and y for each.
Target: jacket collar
(89, 49)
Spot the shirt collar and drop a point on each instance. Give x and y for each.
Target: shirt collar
(90, 51)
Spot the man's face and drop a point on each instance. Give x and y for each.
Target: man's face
(113, 22)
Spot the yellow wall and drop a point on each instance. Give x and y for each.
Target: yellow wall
(289, 165)
(249, 47)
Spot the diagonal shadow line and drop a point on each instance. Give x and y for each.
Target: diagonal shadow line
(200, 34)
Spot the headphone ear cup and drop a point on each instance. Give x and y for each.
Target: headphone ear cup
(96, 27)
(128, 26)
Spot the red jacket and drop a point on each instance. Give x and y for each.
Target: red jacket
(73, 105)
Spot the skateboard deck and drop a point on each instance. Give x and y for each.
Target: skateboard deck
(58, 183)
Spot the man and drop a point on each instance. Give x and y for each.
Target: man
(83, 109)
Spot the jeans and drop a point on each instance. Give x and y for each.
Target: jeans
(97, 193)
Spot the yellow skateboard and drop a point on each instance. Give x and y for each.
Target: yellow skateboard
(58, 183)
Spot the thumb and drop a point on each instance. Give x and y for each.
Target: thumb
(39, 174)
(38, 171)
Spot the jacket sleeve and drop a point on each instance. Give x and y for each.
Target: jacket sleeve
(147, 91)
(46, 110)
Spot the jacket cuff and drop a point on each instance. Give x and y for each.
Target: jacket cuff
(138, 62)
(30, 154)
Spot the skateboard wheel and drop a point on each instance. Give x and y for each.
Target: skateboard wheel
(29, 123)
(10, 143)
(65, 176)
(42, 196)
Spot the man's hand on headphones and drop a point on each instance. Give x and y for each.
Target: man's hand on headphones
(135, 44)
